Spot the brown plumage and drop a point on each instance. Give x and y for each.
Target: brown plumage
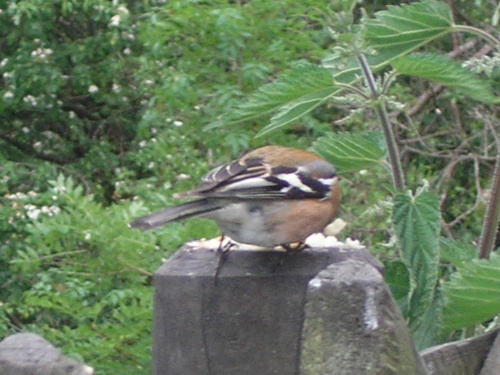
(271, 196)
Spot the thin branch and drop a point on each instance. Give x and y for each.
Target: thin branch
(492, 217)
(397, 170)
(481, 33)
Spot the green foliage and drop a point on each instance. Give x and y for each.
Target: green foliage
(301, 89)
(456, 252)
(448, 72)
(67, 83)
(417, 222)
(400, 30)
(472, 293)
(87, 279)
(351, 151)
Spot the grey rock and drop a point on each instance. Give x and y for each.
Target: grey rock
(31, 354)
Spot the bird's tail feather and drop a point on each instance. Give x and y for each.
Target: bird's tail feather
(177, 213)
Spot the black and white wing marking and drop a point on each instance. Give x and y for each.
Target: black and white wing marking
(310, 181)
(252, 178)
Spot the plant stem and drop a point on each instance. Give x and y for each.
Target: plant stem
(397, 171)
(492, 216)
(490, 38)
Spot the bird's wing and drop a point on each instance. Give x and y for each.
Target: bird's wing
(253, 178)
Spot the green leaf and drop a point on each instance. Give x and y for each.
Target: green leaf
(417, 220)
(456, 252)
(472, 294)
(429, 331)
(304, 84)
(396, 276)
(401, 29)
(448, 72)
(350, 151)
(297, 108)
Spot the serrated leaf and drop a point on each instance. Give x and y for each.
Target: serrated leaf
(402, 29)
(300, 83)
(472, 294)
(429, 331)
(416, 221)
(448, 72)
(346, 69)
(349, 151)
(456, 252)
(297, 108)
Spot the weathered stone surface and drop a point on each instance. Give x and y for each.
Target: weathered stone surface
(353, 326)
(464, 357)
(247, 322)
(31, 354)
(492, 363)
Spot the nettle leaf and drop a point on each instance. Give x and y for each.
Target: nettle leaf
(456, 252)
(429, 331)
(417, 221)
(402, 29)
(346, 69)
(350, 152)
(448, 72)
(300, 87)
(472, 294)
(297, 108)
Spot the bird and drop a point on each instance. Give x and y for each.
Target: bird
(272, 196)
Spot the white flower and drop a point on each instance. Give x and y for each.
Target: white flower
(8, 95)
(151, 165)
(129, 36)
(127, 51)
(115, 20)
(93, 89)
(143, 143)
(41, 53)
(32, 212)
(123, 10)
(178, 123)
(25, 130)
(30, 99)
(4, 62)
(116, 88)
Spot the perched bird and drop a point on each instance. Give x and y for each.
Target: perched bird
(271, 196)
